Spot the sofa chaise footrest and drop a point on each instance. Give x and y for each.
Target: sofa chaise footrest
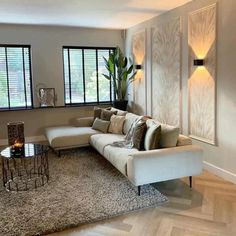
(63, 137)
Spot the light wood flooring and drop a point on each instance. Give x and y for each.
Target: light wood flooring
(209, 209)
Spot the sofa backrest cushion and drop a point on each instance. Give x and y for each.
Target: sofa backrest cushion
(119, 112)
(169, 135)
(84, 121)
(101, 125)
(153, 135)
(184, 140)
(130, 118)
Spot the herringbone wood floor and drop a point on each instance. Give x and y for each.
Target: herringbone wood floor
(209, 209)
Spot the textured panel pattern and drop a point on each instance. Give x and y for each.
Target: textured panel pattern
(202, 45)
(166, 67)
(139, 85)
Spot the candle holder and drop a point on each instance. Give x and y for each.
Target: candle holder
(17, 149)
(15, 133)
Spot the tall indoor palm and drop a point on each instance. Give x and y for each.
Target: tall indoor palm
(121, 74)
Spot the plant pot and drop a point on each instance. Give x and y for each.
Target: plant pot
(120, 104)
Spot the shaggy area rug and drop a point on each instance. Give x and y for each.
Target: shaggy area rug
(83, 187)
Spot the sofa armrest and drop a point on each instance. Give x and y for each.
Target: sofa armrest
(152, 166)
(84, 122)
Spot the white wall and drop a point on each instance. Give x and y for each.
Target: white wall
(223, 155)
(47, 67)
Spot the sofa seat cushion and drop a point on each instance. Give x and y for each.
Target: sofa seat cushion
(100, 141)
(68, 136)
(118, 157)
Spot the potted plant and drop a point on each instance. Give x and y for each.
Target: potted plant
(121, 74)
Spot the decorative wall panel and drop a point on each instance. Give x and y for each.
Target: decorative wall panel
(139, 85)
(202, 85)
(166, 70)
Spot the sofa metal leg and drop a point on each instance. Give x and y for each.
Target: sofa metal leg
(139, 190)
(190, 181)
(59, 153)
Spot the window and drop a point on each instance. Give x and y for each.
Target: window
(84, 82)
(15, 77)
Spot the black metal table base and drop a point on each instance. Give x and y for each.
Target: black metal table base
(22, 174)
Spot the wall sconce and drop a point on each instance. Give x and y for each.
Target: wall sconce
(198, 62)
(138, 67)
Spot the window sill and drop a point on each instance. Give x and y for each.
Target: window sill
(15, 109)
(66, 106)
(88, 104)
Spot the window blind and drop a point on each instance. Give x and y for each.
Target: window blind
(15, 77)
(83, 79)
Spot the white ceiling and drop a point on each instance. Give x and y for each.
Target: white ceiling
(118, 14)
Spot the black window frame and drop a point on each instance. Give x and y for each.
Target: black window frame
(26, 107)
(85, 103)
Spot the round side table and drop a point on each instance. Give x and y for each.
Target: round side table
(26, 170)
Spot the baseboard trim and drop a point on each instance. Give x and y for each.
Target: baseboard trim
(4, 142)
(227, 175)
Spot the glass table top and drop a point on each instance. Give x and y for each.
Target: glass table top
(28, 150)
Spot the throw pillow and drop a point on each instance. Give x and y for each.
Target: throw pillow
(101, 125)
(139, 132)
(169, 134)
(130, 118)
(97, 111)
(106, 114)
(152, 137)
(119, 112)
(116, 126)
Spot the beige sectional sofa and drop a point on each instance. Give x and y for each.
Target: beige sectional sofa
(140, 167)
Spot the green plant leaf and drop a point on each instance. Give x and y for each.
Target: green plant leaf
(107, 77)
(130, 69)
(119, 71)
(124, 63)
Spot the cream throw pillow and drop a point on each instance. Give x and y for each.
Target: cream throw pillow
(169, 134)
(116, 125)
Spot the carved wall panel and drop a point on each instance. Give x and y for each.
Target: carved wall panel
(202, 79)
(166, 73)
(139, 85)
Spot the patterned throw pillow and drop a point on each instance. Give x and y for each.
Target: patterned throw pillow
(101, 125)
(106, 114)
(98, 111)
(116, 126)
(139, 134)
